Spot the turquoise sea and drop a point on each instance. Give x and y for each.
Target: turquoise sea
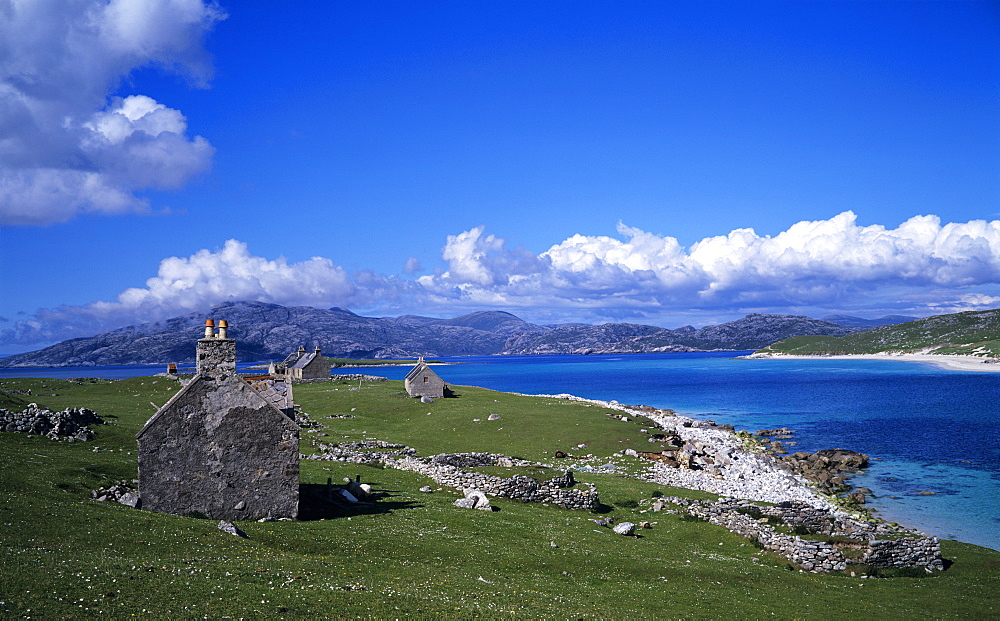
(934, 434)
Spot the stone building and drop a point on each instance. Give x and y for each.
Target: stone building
(302, 365)
(421, 381)
(222, 446)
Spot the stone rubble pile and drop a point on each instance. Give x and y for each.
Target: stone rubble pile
(124, 492)
(70, 424)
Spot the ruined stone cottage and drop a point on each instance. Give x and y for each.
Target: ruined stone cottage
(302, 365)
(223, 446)
(421, 381)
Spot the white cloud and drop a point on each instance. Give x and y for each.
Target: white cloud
(813, 263)
(65, 148)
(232, 273)
(920, 267)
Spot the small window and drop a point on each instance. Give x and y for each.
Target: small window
(426, 379)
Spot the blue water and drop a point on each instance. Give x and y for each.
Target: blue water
(928, 429)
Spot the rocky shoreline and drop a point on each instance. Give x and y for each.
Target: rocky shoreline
(725, 462)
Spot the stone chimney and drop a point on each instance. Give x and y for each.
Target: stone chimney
(216, 354)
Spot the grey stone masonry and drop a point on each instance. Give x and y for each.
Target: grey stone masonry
(216, 355)
(220, 449)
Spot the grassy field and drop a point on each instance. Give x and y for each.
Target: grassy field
(972, 333)
(414, 554)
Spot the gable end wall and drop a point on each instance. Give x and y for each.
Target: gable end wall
(216, 446)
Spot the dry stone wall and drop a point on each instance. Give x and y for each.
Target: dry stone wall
(518, 487)
(447, 470)
(868, 543)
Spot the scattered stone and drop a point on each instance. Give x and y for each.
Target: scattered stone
(130, 499)
(232, 529)
(426, 489)
(493, 417)
(625, 528)
(426, 400)
(116, 492)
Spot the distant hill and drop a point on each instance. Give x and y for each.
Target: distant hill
(974, 333)
(858, 322)
(270, 332)
(750, 332)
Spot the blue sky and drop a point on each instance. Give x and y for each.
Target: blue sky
(668, 163)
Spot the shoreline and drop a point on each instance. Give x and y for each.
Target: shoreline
(944, 361)
(741, 474)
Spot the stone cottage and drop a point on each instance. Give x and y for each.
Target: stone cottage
(421, 381)
(302, 365)
(222, 447)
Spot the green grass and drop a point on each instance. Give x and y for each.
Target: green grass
(63, 556)
(971, 333)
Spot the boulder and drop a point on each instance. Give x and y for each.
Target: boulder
(130, 499)
(232, 529)
(625, 528)
(480, 501)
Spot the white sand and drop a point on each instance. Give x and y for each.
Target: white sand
(953, 363)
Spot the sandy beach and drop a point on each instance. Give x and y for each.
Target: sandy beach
(953, 363)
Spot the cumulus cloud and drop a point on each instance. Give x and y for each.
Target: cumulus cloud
(813, 263)
(920, 267)
(65, 147)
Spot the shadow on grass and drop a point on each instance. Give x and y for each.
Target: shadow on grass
(324, 502)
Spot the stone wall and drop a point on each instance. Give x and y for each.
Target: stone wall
(446, 470)
(518, 487)
(842, 542)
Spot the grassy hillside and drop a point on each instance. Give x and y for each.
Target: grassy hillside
(972, 333)
(414, 554)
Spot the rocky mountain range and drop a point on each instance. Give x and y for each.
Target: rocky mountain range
(269, 332)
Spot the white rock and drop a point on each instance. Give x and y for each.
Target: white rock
(625, 528)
